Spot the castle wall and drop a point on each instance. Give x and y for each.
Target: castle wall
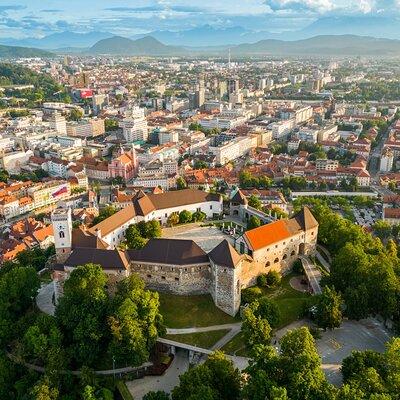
(226, 289)
(177, 279)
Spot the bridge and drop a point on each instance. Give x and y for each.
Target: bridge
(313, 275)
(197, 352)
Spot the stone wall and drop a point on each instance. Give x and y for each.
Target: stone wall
(177, 279)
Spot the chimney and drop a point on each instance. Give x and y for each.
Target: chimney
(98, 233)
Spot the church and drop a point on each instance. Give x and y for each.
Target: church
(181, 266)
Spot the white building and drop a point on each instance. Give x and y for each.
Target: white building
(282, 128)
(58, 123)
(232, 150)
(387, 158)
(135, 128)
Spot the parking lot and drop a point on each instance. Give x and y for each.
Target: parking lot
(335, 345)
(366, 216)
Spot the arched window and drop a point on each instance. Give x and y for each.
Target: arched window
(292, 253)
(267, 264)
(276, 260)
(62, 234)
(284, 257)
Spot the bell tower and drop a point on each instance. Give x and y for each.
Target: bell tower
(62, 227)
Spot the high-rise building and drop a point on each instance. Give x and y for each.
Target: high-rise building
(233, 85)
(134, 128)
(58, 123)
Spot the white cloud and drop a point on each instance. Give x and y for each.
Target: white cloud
(319, 6)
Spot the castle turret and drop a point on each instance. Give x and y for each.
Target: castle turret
(62, 227)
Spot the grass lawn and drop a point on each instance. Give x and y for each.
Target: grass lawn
(236, 346)
(191, 311)
(45, 277)
(290, 301)
(126, 395)
(203, 339)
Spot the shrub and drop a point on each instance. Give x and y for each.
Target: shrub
(298, 267)
(273, 278)
(262, 280)
(249, 295)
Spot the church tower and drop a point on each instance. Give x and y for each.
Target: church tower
(62, 227)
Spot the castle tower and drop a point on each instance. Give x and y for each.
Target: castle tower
(62, 227)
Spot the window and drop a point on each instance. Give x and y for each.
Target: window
(61, 234)
(163, 278)
(267, 264)
(250, 252)
(149, 276)
(312, 233)
(241, 248)
(276, 260)
(284, 257)
(177, 279)
(211, 207)
(292, 253)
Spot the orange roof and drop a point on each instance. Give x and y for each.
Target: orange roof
(44, 233)
(265, 235)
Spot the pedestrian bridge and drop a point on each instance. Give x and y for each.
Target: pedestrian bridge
(240, 362)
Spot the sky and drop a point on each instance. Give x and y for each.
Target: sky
(37, 18)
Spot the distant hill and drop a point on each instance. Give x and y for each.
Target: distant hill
(20, 52)
(346, 45)
(61, 40)
(119, 45)
(207, 35)
(366, 25)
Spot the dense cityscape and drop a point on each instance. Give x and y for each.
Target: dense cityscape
(186, 223)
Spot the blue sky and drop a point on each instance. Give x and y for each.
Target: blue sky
(36, 18)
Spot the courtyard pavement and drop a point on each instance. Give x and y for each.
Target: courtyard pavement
(139, 387)
(44, 299)
(207, 237)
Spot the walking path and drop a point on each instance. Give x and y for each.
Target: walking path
(313, 274)
(322, 260)
(323, 249)
(184, 331)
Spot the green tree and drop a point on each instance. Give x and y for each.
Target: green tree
(173, 219)
(159, 395)
(256, 330)
(75, 115)
(254, 222)
(104, 214)
(216, 379)
(329, 309)
(111, 124)
(181, 183)
(255, 202)
(135, 322)
(43, 391)
(81, 313)
(198, 216)
(266, 308)
(382, 229)
(185, 217)
(273, 278)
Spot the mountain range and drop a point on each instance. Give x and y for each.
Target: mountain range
(17, 52)
(147, 46)
(206, 35)
(345, 45)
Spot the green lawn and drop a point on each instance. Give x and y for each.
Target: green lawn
(126, 395)
(191, 311)
(203, 339)
(290, 301)
(236, 346)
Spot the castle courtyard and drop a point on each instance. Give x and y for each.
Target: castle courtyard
(207, 237)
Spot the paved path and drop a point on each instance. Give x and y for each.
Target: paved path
(139, 387)
(322, 260)
(313, 274)
(227, 338)
(44, 299)
(324, 250)
(184, 331)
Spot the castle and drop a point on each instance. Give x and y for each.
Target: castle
(181, 266)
